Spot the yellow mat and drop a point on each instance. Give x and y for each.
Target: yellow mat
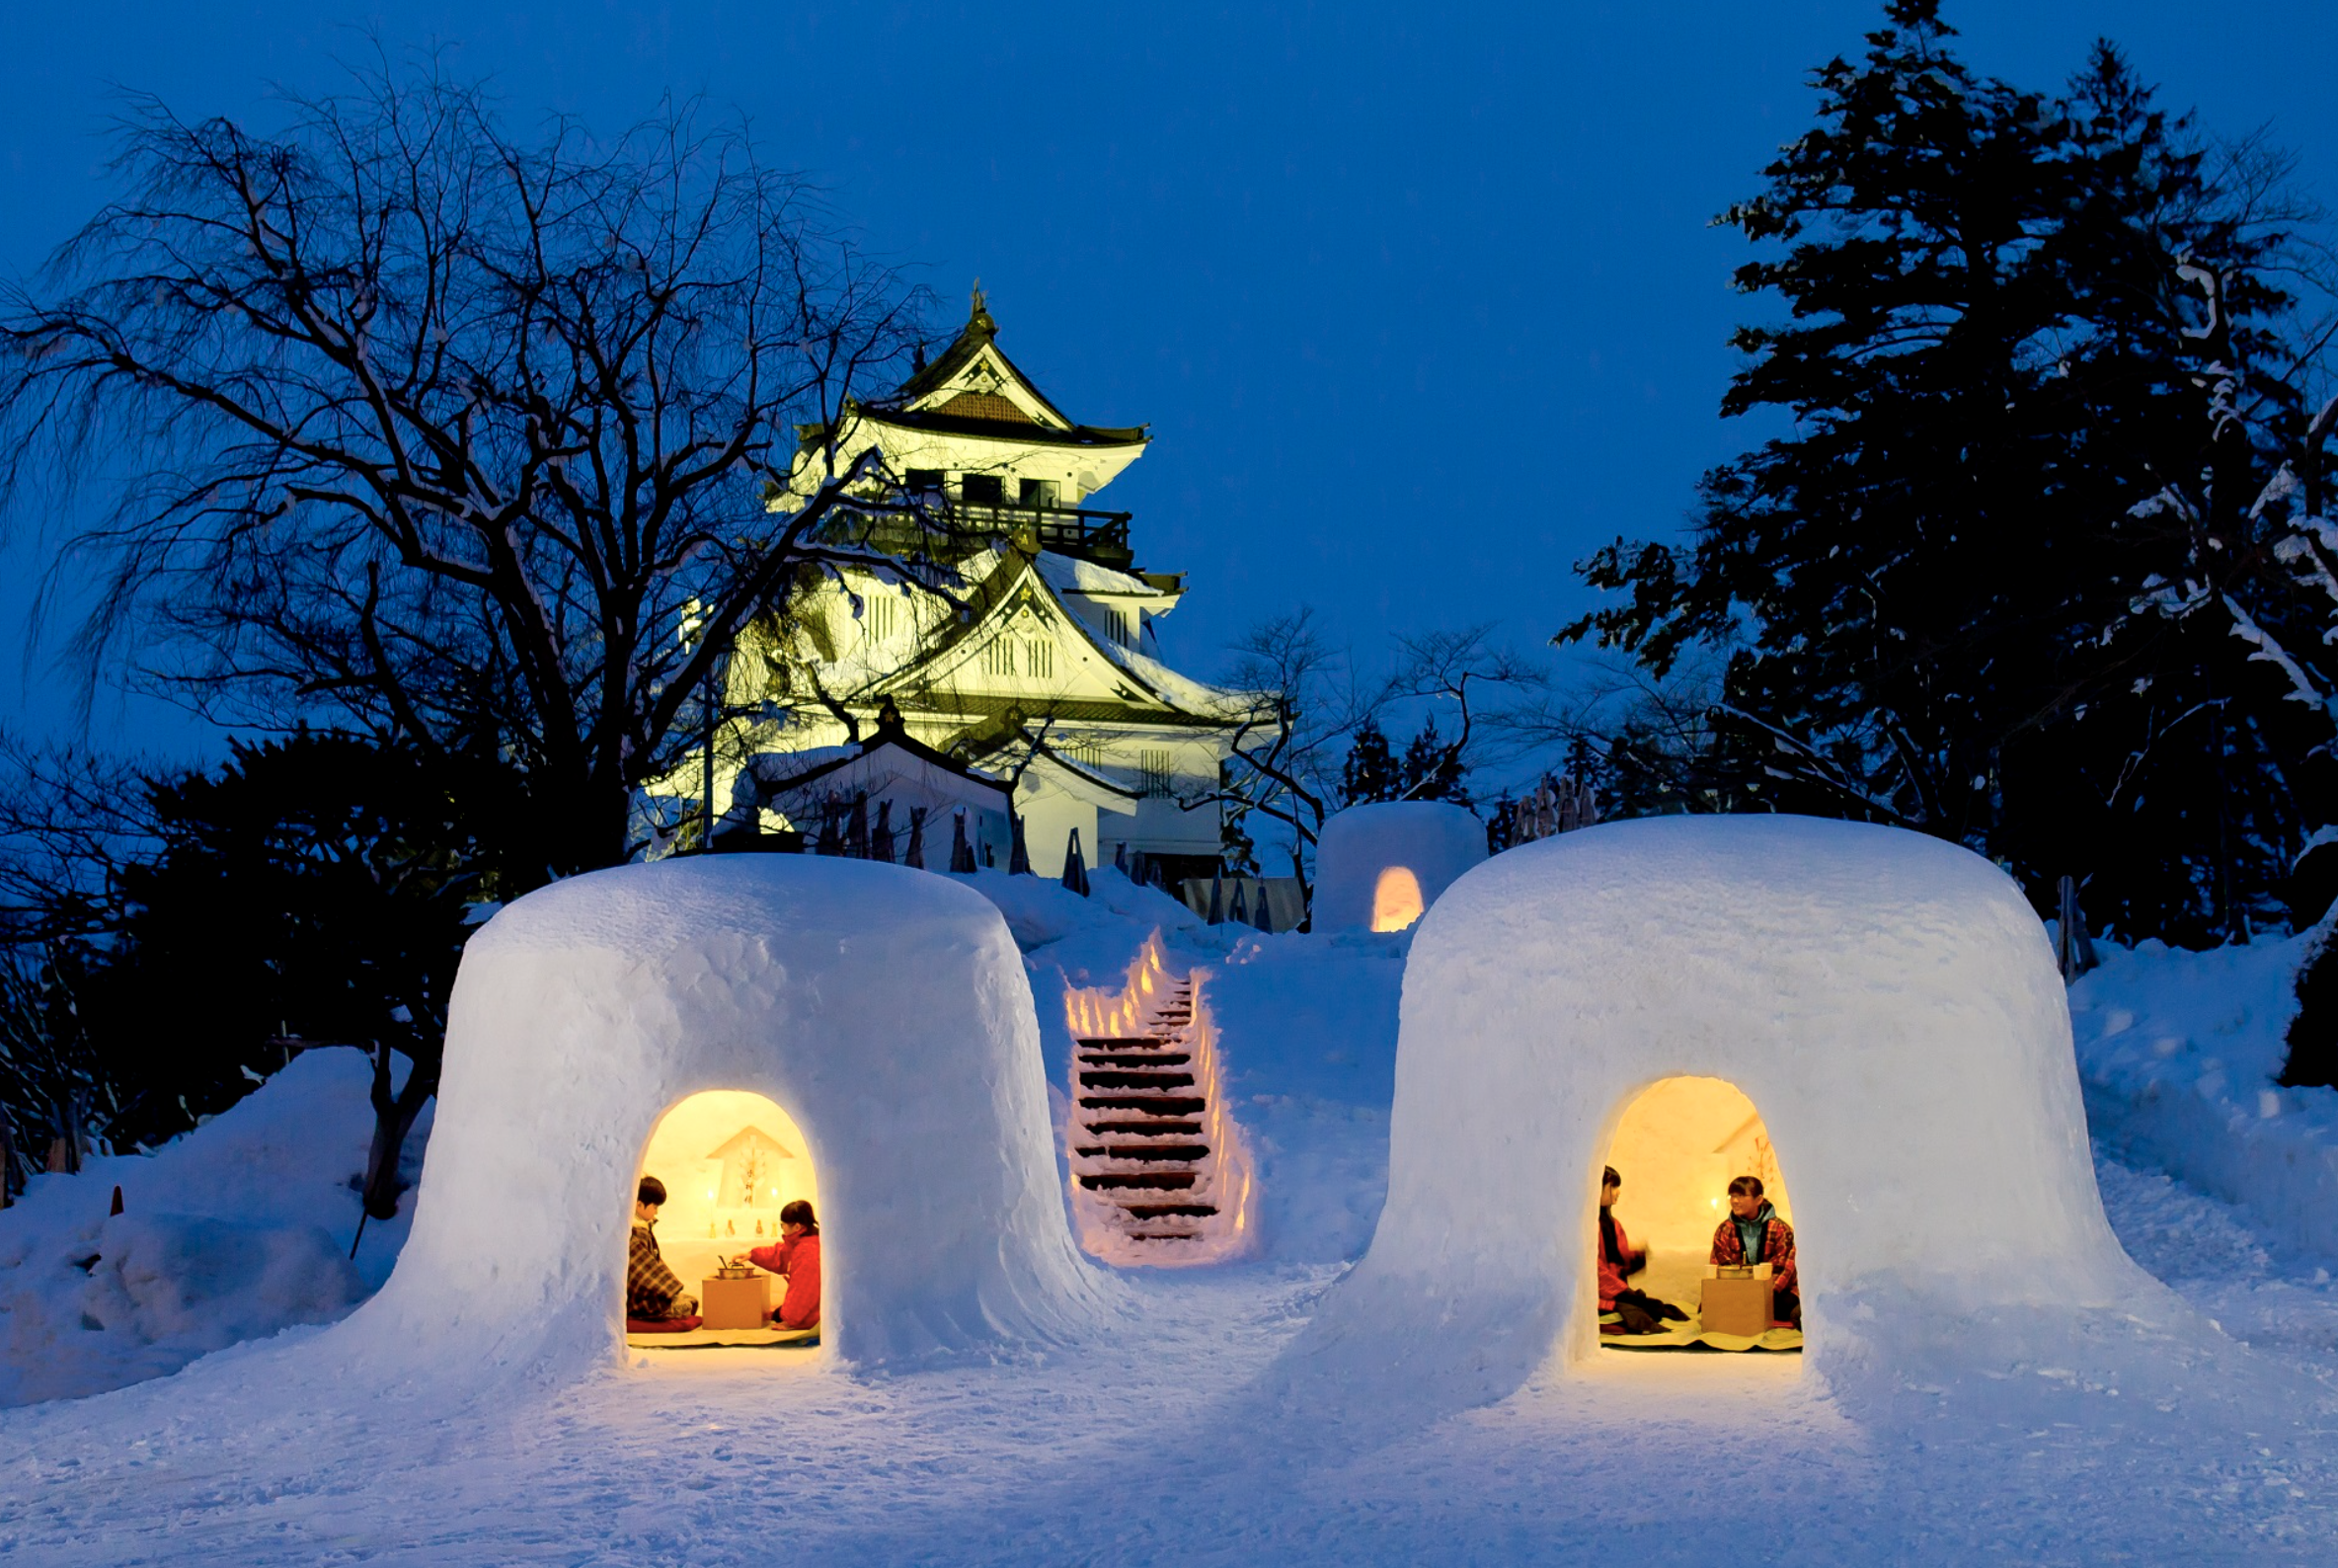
(703, 1338)
(1679, 1336)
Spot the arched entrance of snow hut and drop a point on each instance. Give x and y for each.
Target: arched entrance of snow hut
(729, 1160)
(1678, 1144)
(1396, 898)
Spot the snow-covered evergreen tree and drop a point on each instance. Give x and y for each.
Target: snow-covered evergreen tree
(1925, 588)
(1371, 772)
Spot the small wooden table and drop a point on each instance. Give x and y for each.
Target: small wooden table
(736, 1304)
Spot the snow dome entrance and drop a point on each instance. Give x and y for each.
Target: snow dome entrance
(732, 1164)
(1396, 899)
(1679, 1145)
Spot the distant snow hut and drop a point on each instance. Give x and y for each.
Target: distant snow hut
(1888, 1001)
(1379, 867)
(884, 1019)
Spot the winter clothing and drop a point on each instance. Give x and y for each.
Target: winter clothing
(1616, 1258)
(798, 1260)
(1762, 1237)
(652, 1291)
(1641, 1313)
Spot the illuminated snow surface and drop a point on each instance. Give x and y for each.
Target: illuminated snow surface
(1180, 1434)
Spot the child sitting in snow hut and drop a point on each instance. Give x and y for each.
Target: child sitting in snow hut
(797, 1257)
(1638, 1310)
(1754, 1233)
(653, 1295)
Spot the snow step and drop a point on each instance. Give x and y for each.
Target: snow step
(1148, 1181)
(1127, 1078)
(1165, 1104)
(1160, 1154)
(1169, 1211)
(1131, 1058)
(1120, 1042)
(1164, 1127)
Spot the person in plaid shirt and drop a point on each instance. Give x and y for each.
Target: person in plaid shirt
(652, 1292)
(1754, 1233)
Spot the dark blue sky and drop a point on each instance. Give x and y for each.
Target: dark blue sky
(1421, 303)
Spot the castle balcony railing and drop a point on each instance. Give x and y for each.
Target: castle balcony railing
(1098, 536)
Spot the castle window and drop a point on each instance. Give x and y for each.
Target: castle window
(879, 617)
(1038, 492)
(924, 479)
(998, 657)
(1156, 770)
(983, 490)
(1038, 660)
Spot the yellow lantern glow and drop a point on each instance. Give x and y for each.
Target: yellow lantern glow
(1396, 899)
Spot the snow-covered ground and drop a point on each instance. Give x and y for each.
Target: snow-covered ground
(1191, 1431)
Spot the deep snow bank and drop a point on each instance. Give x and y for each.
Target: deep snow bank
(1889, 1003)
(885, 1010)
(2180, 1052)
(233, 1231)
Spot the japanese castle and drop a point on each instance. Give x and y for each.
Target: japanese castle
(1033, 681)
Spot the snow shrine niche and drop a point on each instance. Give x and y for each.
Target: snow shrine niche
(730, 1159)
(865, 1022)
(1379, 867)
(1889, 1003)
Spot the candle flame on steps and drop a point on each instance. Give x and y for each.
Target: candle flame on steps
(1224, 1179)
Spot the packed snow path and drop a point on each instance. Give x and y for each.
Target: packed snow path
(261, 1457)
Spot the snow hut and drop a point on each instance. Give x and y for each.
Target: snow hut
(1887, 1003)
(1379, 867)
(883, 1010)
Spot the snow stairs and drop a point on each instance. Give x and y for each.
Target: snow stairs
(1159, 1173)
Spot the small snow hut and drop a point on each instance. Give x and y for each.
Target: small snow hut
(885, 1010)
(1890, 1002)
(1379, 867)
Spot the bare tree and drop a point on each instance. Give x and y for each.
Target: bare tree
(1458, 670)
(435, 431)
(1287, 750)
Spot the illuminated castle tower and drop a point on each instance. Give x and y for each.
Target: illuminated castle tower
(1049, 670)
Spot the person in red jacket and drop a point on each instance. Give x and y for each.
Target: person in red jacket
(1754, 1233)
(1639, 1311)
(797, 1257)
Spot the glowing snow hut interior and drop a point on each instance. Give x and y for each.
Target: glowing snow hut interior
(1889, 1003)
(1396, 898)
(1678, 1143)
(1379, 867)
(730, 1159)
(885, 1011)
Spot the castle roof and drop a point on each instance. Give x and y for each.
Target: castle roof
(973, 389)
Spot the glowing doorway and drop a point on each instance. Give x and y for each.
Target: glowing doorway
(729, 1160)
(1677, 1146)
(1396, 899)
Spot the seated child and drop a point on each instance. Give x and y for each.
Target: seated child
(1754, 1233)
(796, 1256)
(652, 1292)
(1639, 1310)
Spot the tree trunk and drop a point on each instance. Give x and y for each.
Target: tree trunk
(393, 1117)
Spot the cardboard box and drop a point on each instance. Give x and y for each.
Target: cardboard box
(1736, 1300)
(736, 1304)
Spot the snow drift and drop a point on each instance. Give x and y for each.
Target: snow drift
(234, 1231)
(1370, 855)
(1888, 1001)
(884, 1009)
